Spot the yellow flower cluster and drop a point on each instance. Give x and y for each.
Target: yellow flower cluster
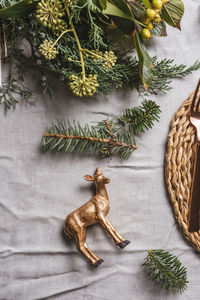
(69, 2)
(152, 16)
(50, 13)
(83, 87)
(110, 59)
(60, 27)
(47, 49)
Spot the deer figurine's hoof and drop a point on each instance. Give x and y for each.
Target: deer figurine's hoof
(98, 262)
(123, 244)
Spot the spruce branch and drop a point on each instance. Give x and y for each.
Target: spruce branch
(140, 118)
(135, 120)
(108, 137)
(74, 138)
(166, 269)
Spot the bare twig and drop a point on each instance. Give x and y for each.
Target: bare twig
(5, 40)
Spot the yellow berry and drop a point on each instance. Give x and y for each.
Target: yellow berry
(150, 13)
(146, 21)
(157, 19)
(146, 34)
(157, 3)
(150, 26)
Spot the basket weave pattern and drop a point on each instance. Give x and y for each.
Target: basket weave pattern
(179, 163)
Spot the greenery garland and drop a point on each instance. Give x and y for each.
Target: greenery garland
(79, 40)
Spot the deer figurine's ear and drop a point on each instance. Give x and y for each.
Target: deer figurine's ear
(88, 178)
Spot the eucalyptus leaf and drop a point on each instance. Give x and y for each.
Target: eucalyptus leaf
(20, 9)
(126, 26)
(172, 12)
(112, 10)
(138, 10)
(145, 62)
(103, 3)
(121, 4)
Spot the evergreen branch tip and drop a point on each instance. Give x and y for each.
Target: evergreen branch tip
(165, 268)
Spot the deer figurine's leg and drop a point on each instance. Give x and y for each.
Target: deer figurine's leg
(82, 245)
(118, 239)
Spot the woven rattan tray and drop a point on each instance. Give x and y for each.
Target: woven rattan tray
(179, 163)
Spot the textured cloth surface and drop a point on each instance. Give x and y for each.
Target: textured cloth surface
(39, 189)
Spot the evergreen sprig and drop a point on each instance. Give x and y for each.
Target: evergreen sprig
(140, 118)
(12, 92)
(165, 70)
(166, 269)
(109, 137)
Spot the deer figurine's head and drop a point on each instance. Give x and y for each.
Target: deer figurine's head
(98, 178)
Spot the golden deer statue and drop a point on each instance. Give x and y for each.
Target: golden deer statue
(95, 210)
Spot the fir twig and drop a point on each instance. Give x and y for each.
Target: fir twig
(108, 137)
(167, 269)
(140, 118)
(74, 138)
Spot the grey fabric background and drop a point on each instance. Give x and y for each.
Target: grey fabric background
(39, 189)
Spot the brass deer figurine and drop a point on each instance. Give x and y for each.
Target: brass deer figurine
(95, 210)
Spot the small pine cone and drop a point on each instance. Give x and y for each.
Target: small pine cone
(47, 50)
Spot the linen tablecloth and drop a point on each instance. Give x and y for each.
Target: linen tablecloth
(39, 189)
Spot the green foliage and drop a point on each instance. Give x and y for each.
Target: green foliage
(166, 269)
(141, 118)
(88, 10)
(6, 3)
(16, 9)
(124, 73)
(109, 137)
(74, 138)
(172, 12)
(135, 120)
(91, 20)
(145, 65)
(12, 92)
(165, 70)
(13, 89)
(159, 29)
